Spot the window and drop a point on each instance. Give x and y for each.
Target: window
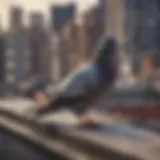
(10, 52)
(11, 65)
(27, 52)
(10, 78)
(28, 65)
(67, 32)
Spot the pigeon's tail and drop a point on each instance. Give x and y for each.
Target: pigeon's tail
(72, 103)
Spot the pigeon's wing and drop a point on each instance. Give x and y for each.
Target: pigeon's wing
(74, 88)
(66, 85)
(80, 83)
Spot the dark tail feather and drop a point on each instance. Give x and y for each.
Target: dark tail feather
(61, 103)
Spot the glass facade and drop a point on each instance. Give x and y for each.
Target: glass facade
(142, 30)
(142, 25)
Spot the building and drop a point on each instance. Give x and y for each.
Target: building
(136, 25)
(2, 59)
(62, 14)
(56, 63)
(74, 57)
(99, 20)
(65, 50)
(115, 19)
(87, 34)
(63, 27)
(37, 20)
(142, 27)
(40, 45)
(144, 21)
(147, 66)
(3, 87)
(17, 58)
(146, 35)
(78, 37)
(91, 29)
(17, 52)
(16, 18)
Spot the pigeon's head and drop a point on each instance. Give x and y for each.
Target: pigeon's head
(107, 51)
(107, 57)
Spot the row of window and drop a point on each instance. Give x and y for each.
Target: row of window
(10, 78)
(11, 65)
(11, 53)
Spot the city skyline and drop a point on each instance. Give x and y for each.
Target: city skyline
(37, 5)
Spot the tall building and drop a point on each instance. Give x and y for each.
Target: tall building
(2, 59)
(3, 88)
(86, 35)
(62, 17)
(62, 14)
(17, 53)
(56, 63)
(144, 22)
(65, 50)
(115, 19)
(79, 43)
(16, 18)
(115, 25)
(40, 45)
(136, 24)
(97, 26)
(17, 58)
(37, 20)
(91, 30)
(142, 27)
(99, 14)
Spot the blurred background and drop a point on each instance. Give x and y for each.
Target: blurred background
(41, 41)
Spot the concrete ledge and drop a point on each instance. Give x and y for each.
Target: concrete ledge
(53, 146)
(71, 143)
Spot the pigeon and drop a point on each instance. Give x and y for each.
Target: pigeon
(83, 87)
